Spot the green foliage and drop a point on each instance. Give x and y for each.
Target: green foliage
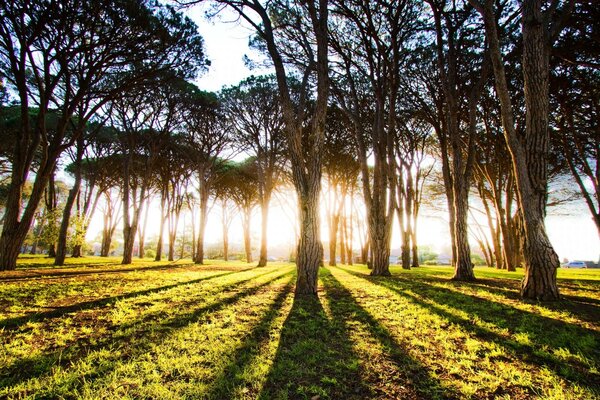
(97, 329)
(50, 225)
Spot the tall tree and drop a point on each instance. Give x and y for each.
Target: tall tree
(371, 38)
(540, 25)
(206, 134)
(72, 57)
(255, 112)
(294, 34)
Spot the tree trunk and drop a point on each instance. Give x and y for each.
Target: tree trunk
(203, 194)
(76, 251)
(264, 209)
(530, 155)
(161, 227)
(225, 231)
(333, 231)
(61, 247)
(247, 238)
(463, 267)
(142, 232)
(310, 248)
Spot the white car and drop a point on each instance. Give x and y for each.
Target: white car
(575, 264)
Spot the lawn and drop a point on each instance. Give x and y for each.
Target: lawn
(98, 330)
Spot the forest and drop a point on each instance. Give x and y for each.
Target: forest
(371, 115)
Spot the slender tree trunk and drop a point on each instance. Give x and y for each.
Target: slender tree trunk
(264, 211)
(247, 238)
(203, 194)
(333, 231)
(161, 227)
(61, 247)
(225, 231)
(142, 231)
(342, 239)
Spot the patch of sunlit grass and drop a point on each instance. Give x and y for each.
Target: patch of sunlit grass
(228, 330)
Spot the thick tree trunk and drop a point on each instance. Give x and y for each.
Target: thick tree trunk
(310, 248)
(530, 155)
(380, 232)
(76, 251)
(463, 267)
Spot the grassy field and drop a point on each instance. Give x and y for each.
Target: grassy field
(98, 330)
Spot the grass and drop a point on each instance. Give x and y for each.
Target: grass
(95, 329)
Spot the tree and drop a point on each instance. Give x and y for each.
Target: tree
(206, 135)
(540, 27)
(574, 96)
(370, 69)
(73, 57)
(255, 112)
(341, 169)
(244, 192)
(294, 34)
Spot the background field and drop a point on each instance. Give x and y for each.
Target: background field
(96, 329)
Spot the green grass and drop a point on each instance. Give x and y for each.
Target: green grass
(95, 329)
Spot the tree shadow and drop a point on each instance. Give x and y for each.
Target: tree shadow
(16, 322)
(232, 379)
(412, 380)
(26, 274)
(314, 358)
(132, 339)
(545, 334)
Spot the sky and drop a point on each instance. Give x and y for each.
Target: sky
(574, 236)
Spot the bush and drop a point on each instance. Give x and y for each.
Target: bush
(150, 253)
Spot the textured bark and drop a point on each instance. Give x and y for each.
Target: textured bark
(310, 248)
(529, 155)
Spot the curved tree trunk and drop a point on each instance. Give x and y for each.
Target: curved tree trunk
(61, 246)
(529, 156)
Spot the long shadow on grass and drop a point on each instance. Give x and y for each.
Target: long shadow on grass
(585, 308)
(546, 334)
(314, 358)
(414, 380)
(131, 339)
(232, 377)
(63, 272)
(13, 323)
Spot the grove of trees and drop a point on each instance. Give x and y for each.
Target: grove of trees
(373, 108)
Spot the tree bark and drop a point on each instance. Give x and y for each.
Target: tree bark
(310, 248)
(529, 154)
(264, 210)
(61, 247)
(247, 238)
